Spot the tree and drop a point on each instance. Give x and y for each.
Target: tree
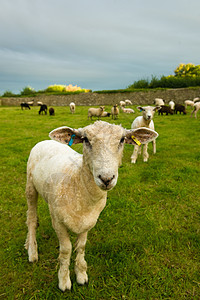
(187, 70)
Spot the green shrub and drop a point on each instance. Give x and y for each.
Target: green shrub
(27, 91)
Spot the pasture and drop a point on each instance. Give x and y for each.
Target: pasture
(146, 243)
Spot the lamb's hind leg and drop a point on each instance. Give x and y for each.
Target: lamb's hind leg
(135, 154)
(31, 243)
(145, 153)
(80, 263)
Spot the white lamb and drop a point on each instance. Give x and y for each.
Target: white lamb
(172, 104)
(196, 109)
(72, 107)
(128, 110)
(75, 186)
(159, 102)
(189, 102)
(146, 120)
(95, 112)
(128, 102)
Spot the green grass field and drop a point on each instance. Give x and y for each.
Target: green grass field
(146, 244)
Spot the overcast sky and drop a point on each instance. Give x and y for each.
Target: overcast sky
(96, 44)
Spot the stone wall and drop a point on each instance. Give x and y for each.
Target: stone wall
(95, 99)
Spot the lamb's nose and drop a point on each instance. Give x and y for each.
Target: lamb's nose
(106, 180)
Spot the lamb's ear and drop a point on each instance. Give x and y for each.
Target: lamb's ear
(140, 108)
(140, 136)
(66, 135)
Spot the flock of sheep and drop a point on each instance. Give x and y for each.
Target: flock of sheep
(75, 185)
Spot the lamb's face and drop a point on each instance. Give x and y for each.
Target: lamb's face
(148, 112)
(103, 145)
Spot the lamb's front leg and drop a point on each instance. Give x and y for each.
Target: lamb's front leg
(145, 153)
(135, 154)
(80, 263)
(154, 146)
(64, 256)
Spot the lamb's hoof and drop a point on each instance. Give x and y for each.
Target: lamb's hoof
(65, 285)
(32, 256)
(82, 278)
(133, 161)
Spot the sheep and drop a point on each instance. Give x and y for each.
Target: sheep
(25, 105)
(43, 108)
(128, 110)
(197, 99)
(144, 121)
(189, 102)
(159, 101)
(115, 111)
(122, 103)
(95, 112)
(196, 109)
(128, 102)
(72, 107)
(30, 103)
(105, 114)
(180, 108)
(39, 103)
(51, 111)
(165, 109)
(172, 105)
(75, 185)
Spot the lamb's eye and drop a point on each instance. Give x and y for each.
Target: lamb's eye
(122, 140)
(86, 141)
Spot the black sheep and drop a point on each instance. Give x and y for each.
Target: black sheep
(43, 107)
(165, 109)
(51, 111)
(180, 108)
(25, 105)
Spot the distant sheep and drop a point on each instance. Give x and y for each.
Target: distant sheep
(172, 105)
(43, 108)
(197, 99)
(189, 102)
(30, 103)
(146, 120)
(51, 111)
(105, 114)
(180, 108)
(24, 105)
(115, 112)
(122, 103)
(196, 109)
(72, 107)
(39, 103)
(75, 186)
(159, 102)
(165, 109)
(128, 110)
(95, 112)
(128, 102)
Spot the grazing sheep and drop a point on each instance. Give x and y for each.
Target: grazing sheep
(189, 102)
(75, 186)
(122, 103)
(197, 99)
(25, 105)
(172, 105)
(144, 121)
(105, 114)
(115, 112)
(165, 109)
(95, 112)
(128, 102)
(128, 110)
(180, 108)
(72, 107)
(196, 109)
(30, 103)
(159, 101)
(43, 108)
(51, 111)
